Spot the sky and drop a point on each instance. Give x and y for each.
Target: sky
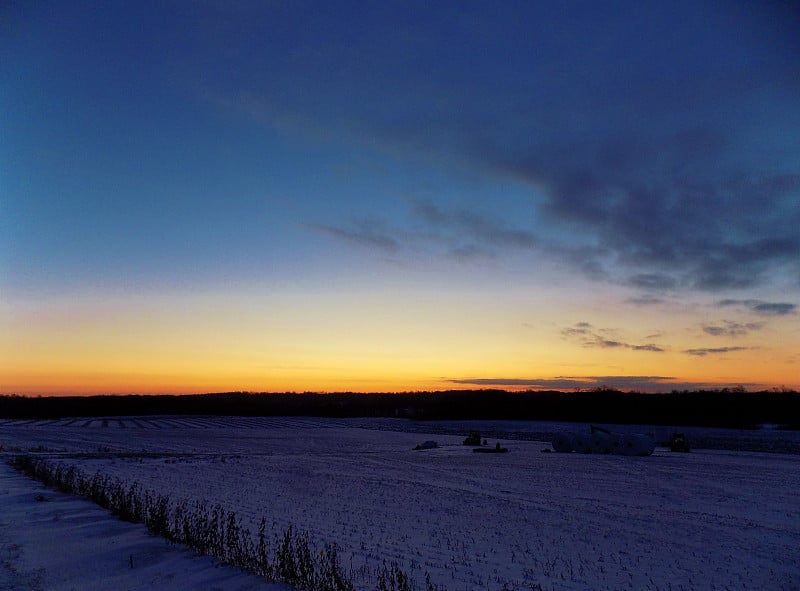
(398, 196)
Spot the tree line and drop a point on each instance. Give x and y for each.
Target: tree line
(719, 408)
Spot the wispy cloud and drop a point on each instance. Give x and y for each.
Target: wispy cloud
(469, 233)
(580, 329)
(590, 337)
(761, 307)
(460, 234)
(715, 351)
(650, 347)
(729, 328)
(365, 234)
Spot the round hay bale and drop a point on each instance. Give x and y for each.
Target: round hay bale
(638, 445)
(602, 443)
(630, 445)
(647, 446)
(562, 443)
(582, 444)
(616, 444)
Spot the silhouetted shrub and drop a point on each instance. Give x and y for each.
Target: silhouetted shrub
(392, 578)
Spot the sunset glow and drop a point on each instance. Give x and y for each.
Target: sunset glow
(269, 197)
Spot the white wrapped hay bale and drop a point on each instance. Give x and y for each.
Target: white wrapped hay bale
(630, 445)
(602, 443)
(648, 445)
(638, 445)
(562, 443)
(582, 444)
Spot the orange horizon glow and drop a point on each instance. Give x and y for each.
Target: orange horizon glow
(364, 342)
(72, 385)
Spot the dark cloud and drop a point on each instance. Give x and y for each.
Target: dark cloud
(605, 343)
(639, 383)
(761, 307)
(714, 351)
(638, 207)
(652, 348)
(658, 161)
(699, 233)
(589, 337)
(768, 309)
(732, 329)
(554, 383)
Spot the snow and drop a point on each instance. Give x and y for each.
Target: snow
(53, 541)
(710, 519)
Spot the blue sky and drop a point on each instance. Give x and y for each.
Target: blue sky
(641, 152)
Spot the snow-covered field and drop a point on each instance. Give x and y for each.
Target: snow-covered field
(56, 542)
(711, 519)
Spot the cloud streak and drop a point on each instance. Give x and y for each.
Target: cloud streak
(761, 307)
(714, 351)
(474, 227)
(589, 337)
(365, 234)
(732, 329)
